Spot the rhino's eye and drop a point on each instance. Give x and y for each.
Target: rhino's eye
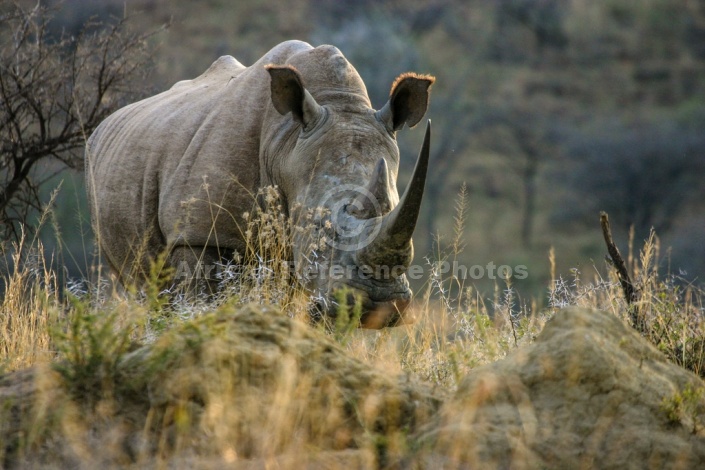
(354, 208)
(322, 119)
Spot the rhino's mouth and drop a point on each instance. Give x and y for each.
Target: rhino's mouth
(382, 313)
(383, 303)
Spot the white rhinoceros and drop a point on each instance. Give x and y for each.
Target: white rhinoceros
(176, 172)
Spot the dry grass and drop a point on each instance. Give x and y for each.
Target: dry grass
(27, 309)
(29, 305)
(670, 309)
(94, 351)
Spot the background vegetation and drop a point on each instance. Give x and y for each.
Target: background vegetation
(548, 111)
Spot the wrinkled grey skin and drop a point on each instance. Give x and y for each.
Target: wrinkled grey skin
(177, 171)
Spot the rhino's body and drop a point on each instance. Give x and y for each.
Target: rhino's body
(177, 171)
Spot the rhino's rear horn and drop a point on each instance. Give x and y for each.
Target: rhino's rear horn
(374, 200)
(392, 247)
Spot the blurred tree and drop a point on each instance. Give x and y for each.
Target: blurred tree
(54, 91)
(453, 126)
(525, 29)
(488, 97)
(527, 140)
(643, 174)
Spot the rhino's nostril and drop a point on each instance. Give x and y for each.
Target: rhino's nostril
(317, 311)
(351, 299)
(402, 303)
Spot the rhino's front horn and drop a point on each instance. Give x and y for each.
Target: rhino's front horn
(392, 246)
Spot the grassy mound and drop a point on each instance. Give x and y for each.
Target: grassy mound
(589, 393)
(247, 387)
(235, 383)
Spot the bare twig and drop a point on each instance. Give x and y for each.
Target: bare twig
(631, 294)
(617, 260)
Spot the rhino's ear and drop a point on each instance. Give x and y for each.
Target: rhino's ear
(408, 101)
(289, 95)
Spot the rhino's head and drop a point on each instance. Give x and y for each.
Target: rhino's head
(340, 177)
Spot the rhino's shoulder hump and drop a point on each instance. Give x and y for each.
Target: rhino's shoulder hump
(225, 68)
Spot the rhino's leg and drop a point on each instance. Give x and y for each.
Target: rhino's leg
(196, 268)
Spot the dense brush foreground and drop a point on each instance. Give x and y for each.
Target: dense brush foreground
(91, 375)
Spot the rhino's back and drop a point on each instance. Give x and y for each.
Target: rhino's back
(168, 169)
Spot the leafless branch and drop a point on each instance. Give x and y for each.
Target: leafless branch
(53, 93)
(631, 294)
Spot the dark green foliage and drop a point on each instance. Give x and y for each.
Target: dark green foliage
(347, 317)
(90, 350)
